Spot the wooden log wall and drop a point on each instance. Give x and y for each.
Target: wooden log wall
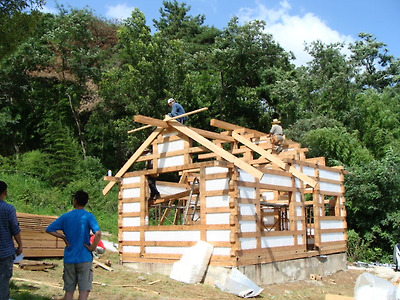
(231, 217)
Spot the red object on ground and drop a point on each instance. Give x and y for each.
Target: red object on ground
(100, 244)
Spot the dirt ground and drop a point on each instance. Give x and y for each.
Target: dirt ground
(126, 283)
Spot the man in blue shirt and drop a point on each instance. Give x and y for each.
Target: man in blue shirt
(176, 110)
(76, 226)
(9, 228)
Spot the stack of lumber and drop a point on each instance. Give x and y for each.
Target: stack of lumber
(35, 240)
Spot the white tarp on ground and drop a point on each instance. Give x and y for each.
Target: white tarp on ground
(109, 246)
(371, 287)
(193, 263)
(238, 284)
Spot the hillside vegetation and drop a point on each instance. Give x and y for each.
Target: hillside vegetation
(71, 83)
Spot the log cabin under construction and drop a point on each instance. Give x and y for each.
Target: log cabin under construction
(254, 206)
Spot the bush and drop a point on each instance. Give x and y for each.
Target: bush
(360, 249)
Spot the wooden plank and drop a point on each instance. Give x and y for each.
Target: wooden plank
(43, 252)
(150, 121)
(274, 159)
(178, 227)
(216, 163)
(171, 118)
(213, 135)
(172, 243)
(39, 283)
(221, 152)
(134, 157)
(112, 178)
(337, 297)
(231, 127)
(104, 266)
(175, 196)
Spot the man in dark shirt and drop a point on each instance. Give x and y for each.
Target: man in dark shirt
(9, 228)
(152, 179)
(176, 110)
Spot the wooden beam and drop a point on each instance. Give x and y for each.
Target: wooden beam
(337, 297)
(175, 196)
(169, 118)
(221, 152)
(134, 157)
(231, 127)
(150, 121)
(274, 159)
(213, 135)
(112, 178)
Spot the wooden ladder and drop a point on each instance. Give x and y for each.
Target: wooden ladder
(190, 204)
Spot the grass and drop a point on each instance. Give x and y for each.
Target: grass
(24, 292)
(29, 194)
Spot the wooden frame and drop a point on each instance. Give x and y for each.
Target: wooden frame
(233, 185)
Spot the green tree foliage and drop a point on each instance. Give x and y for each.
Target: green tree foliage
(376, 117)
(15, 23)
(375, 67)
(176, 23)
(372, 191)
(326, 83)
(246, 60)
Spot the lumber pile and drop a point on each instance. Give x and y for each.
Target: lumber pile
(36, 242)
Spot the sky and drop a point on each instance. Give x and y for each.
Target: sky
(291, 22)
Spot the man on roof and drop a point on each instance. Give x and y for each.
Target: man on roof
(276, 134)
(176, 110)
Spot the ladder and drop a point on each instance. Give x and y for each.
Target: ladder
(190, 204)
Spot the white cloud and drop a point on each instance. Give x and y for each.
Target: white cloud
(49, 10)
(292, 31)
(119, 11)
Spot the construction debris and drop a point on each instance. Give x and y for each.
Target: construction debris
(98, 263)
(36, 265)
(315, 277)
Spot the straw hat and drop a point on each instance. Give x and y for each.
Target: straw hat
(276, 121)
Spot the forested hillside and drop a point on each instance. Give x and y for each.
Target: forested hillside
(71, 83)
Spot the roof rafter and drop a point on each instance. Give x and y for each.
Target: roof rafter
(134, 157)
(221, 152)
(231, 127)
(274, 159)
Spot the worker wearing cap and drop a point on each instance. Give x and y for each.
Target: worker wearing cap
(176, 110)
(276, 134)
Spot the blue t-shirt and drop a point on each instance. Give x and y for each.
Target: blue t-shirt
(8, 228)
(76, 226)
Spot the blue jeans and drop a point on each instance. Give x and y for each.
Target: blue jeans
(6, 269)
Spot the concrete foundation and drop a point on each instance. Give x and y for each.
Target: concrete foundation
(269, 273)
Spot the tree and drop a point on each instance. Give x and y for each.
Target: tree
(376, 117)
(16, 24)
(376, 68)
(63, 151)
(326, 86)
(9, 7)
(175, 23)
(372, 191)
(246, 60)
